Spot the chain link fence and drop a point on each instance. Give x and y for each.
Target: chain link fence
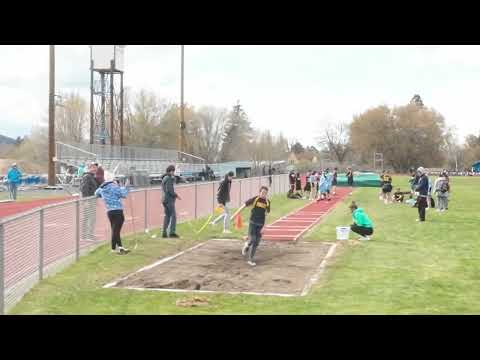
(43, 241)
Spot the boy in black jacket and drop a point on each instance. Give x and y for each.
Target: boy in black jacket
(260, 207)
(223, 198)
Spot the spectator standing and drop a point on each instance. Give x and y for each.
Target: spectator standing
(169, 197)
(14, 178)
(223, 198)
(422, 190)
(88, 186)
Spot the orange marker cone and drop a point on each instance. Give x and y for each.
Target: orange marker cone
(238, 222)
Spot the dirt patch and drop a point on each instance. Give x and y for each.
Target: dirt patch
(218, 265)
(192, 302)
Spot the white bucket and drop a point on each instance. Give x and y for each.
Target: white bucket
(343, 232)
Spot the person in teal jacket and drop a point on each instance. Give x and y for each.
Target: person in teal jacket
(14, 178)
(362, 224)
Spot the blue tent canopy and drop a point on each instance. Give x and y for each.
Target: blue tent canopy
(476, 166)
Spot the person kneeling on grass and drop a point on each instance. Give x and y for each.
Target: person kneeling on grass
(362, 224)
(398, 196)
(112, 194)
(260, 207)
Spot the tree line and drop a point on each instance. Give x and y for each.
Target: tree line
(213, 133)
(410, 135)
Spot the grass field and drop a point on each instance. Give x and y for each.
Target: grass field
(407, 267)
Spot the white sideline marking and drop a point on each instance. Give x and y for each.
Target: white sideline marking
(319, 271)
(212, 292)
(284, 227)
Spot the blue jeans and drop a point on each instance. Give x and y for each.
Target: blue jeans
(170, 219)
(13, 191)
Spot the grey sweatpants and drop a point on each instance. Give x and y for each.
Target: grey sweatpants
(442, 200)
(225, 216)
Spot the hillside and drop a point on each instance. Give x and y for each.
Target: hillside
(6, 140)
(26, 167)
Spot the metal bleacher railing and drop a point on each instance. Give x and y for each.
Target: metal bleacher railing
(153, 160)
(43, 241)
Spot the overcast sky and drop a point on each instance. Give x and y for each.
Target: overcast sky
(292, 89)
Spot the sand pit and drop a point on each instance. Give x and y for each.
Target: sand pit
(284, 269)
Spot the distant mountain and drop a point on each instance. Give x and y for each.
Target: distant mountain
(6, 140)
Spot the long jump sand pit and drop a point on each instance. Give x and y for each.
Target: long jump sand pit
(283, 269)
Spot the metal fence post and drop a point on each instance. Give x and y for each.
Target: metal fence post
(2, 266)
(213, 197)
(77, 228)
(195, 200)
(41, 245)
(240, 186)
(146, 211)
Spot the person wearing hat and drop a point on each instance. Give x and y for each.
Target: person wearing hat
(169, 197)
(14, 178)
(223, 198)
(422, 189)
(113, 194)
(99, 175)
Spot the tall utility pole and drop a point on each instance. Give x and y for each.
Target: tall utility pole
(182, 144)
(51, 120)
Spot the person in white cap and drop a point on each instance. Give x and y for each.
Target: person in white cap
(14, 178)
(422, 190)
(113, 194)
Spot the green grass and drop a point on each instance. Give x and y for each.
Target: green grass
(78, 289)
(407, 268)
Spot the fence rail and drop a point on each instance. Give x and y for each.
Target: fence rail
(43, 241)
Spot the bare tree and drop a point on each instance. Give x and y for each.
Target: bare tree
(336, 141)
(72, 118)
(211, 122)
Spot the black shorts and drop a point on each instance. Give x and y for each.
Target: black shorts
(387, 188)
(307, 187)
(350, 182)
(334, 182)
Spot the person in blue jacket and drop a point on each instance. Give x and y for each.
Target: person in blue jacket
(14, 178)
(113, 194)
(325, 186)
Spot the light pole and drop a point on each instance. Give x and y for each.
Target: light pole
(182, 106)
(51, 120)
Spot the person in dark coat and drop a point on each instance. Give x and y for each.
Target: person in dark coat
(169, 197)
(88, 186)
(223, 198)
(422, 191)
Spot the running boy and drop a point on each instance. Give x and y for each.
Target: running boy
(260, 207)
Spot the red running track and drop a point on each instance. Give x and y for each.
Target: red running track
(12, 208)
(294, 225)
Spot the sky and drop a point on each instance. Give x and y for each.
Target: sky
(294, 89)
